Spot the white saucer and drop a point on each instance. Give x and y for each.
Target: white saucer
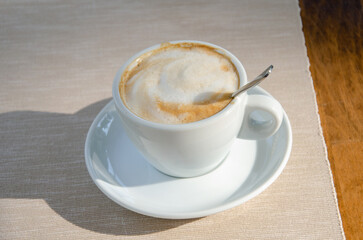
(122, 174)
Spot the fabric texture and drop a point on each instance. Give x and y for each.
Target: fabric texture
(57, 63)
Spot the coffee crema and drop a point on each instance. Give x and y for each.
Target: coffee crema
(178, 83)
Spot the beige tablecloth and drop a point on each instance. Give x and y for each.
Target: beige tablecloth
(57, 63)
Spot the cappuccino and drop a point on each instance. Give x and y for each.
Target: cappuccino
(178, 83)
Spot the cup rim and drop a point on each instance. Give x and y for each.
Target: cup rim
(180, 126)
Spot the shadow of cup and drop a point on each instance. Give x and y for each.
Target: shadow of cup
(42, 157)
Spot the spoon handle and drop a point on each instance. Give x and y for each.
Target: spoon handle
(254, 82)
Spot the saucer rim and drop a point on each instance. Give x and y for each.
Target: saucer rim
(193, 214)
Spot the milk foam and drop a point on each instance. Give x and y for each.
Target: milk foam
(179, 85)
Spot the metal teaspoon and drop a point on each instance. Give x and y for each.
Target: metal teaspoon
(254, 82)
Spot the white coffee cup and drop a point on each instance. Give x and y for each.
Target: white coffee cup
(196, 148)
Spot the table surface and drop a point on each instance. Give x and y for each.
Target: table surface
(333, 35)
(57, 64)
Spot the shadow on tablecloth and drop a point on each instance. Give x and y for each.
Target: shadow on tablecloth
(42, 157)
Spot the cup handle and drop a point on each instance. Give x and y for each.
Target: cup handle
(262, 118)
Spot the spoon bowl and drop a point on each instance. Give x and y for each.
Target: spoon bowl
(213, 97)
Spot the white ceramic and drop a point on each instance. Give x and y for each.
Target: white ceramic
(193, 149)
(122, 173)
